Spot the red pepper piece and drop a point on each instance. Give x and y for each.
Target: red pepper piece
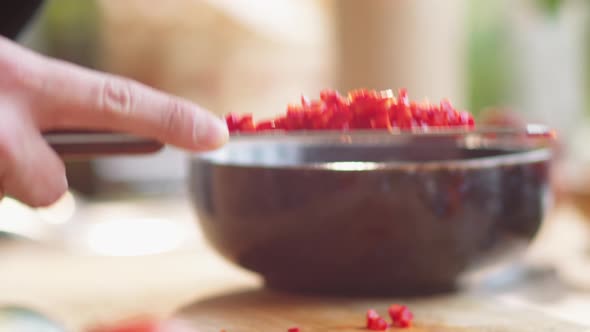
(372, 317)
(332, 98)
(295, 118)
(362, 94)
(394, 311)
(315, 115)
(466, 119)
(339, 119)
(266, 125)
(405, 319)
(415, 111)
(232, 121)
(380, 325)
(381, 122)
(400, 315)
(315, 120)
(361, 109)
(451, 119)
(446, 106)
(246, 123)
(293, 329)
(380, 119)
(304, 101)
(439, 120)
(375, 322)
(402, 97)
(402, 117)
(280, 123)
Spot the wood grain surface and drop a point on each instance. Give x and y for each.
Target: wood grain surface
(261, 310)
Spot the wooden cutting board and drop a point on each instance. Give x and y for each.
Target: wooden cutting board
(198, 285)
(260, 310)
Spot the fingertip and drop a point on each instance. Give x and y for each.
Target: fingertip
(214, 136)
(48, 196)
(221, 133)
(43, 200)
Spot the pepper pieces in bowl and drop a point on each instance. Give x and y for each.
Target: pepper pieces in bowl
(361, 109)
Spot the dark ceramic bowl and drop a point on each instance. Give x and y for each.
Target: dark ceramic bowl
(373, 212)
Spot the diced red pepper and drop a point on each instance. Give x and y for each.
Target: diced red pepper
(375, 322)
(265, 125)
(304, 101)
(381, 325)
(405, 319)
(381, 121)
(372, 315)
(294, 329)
(246, 123)
(361, 109)
(394, 311)
(232, 121)
(403, 98)
(446, 106)
(400, 315)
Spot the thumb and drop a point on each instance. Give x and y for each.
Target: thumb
(29, 169)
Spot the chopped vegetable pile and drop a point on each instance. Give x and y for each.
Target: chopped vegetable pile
(361, 109)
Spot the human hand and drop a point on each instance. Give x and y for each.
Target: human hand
(39, 94)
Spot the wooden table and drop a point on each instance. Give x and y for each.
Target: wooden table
(548, 291)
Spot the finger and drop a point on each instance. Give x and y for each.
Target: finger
(29, 170)
(67, 96)
(85, 99)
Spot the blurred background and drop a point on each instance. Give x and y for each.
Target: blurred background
(529, 59)
(528, 56)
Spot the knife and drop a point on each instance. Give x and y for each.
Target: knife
(89, 144)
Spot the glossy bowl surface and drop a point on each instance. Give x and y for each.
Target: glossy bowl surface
(373, 212)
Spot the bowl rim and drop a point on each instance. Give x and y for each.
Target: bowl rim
(529, 131)
(535, 147)
(511, 159)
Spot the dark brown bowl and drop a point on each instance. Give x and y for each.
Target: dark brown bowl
(372, 213)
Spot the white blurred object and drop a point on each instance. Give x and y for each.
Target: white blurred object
(39, 224)
(131, 236)
(246, 56)
(416, 44)
(116, 228)
(549, 67)
(280, 20)
(18, 219)
(60, 212)
(170, 164)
